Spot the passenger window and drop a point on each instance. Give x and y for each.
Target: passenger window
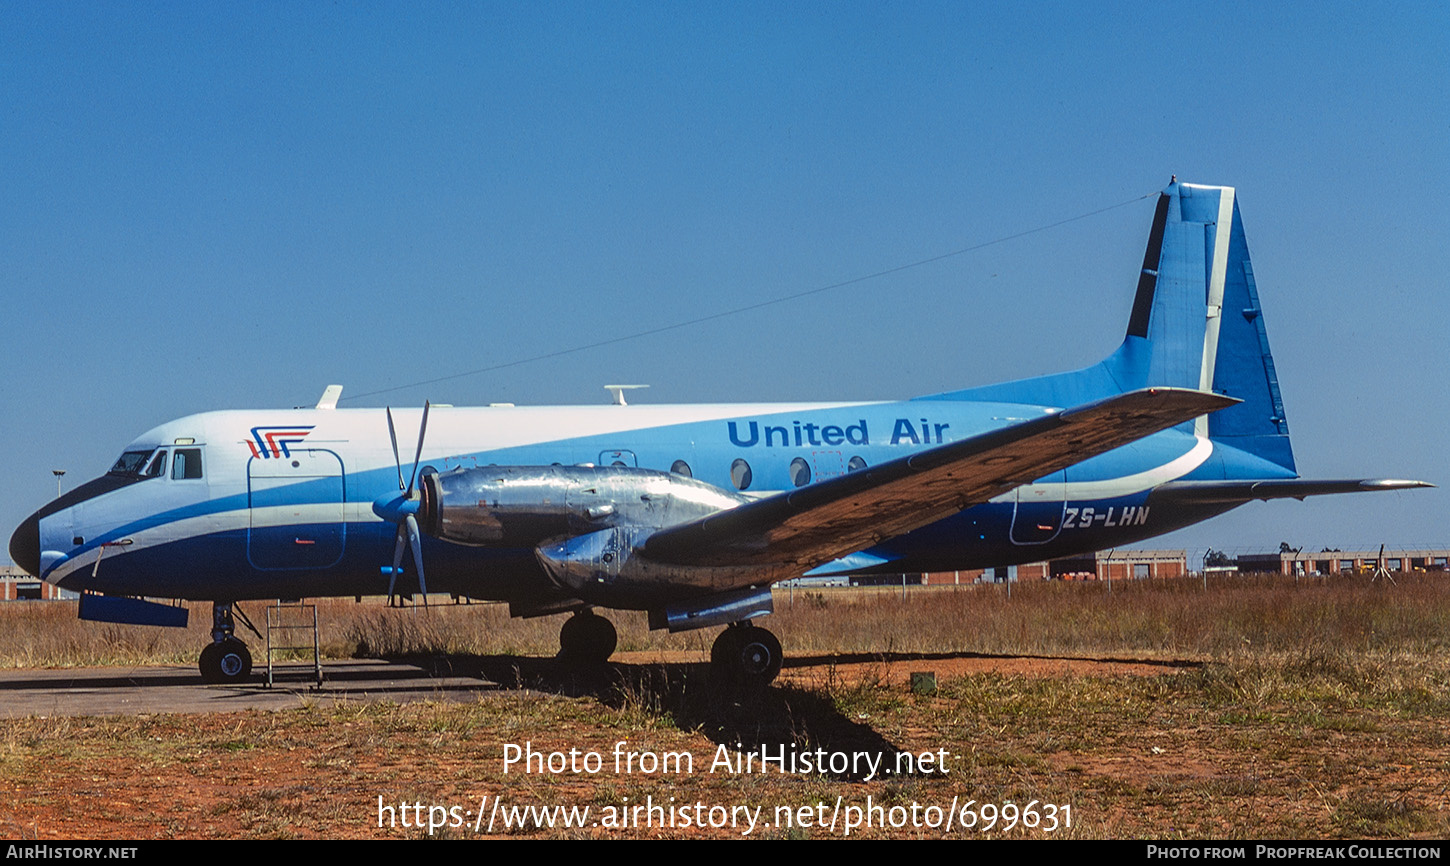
(800, 472)
(680, 467)
(158, 465)
(740, 474)
(186, 464)
(856, 463)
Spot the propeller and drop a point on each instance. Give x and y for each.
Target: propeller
(403, 509)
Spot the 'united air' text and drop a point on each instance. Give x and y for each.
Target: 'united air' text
(799, 434)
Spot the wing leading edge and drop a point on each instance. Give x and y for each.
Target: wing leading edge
(823, 521)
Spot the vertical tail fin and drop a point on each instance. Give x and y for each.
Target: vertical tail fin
(1198, 310)
(1195, 323)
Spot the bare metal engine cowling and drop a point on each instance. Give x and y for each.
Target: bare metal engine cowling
(585, 523)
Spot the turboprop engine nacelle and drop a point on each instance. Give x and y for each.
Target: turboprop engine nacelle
(609, 567)
(518, 506)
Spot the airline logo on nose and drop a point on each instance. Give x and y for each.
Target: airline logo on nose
(269, 442)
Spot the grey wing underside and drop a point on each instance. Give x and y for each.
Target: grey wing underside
(823, 521)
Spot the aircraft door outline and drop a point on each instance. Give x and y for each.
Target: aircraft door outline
(1038, 510)
(297, 519)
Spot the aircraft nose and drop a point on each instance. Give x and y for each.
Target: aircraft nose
(25, 545)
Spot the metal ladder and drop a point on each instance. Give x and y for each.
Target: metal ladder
(288, 625)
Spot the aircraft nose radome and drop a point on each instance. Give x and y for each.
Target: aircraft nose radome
(25, 545)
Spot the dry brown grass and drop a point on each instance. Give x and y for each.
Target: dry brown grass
(1317, 710)
(1356, 749)
(48, 634)
(1158, 618)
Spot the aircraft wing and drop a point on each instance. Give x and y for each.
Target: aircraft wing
(823, 521)
(1213, 492)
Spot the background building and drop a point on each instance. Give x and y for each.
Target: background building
(1105, 565)
(16, 585)
(1341, 561)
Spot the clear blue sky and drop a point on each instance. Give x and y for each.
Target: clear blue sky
(232, 205)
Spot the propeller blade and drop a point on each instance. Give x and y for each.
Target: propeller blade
(422, 429)
(397, 563)
(417, 543)
(393, 435)
(399, 510)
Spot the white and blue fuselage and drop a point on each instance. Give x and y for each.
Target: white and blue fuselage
(282, 504)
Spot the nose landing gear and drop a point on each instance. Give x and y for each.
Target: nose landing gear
(225, 662)
(226, 659)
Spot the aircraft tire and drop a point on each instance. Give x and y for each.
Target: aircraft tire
(226, 662)
(587, 638)
(724, 649)
(747, 655)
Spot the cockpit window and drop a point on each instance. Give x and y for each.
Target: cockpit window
(186, 463)
(131, 463)
(158, 465)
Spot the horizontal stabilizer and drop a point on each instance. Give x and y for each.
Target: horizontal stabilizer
(851, 512)
(1216, 492)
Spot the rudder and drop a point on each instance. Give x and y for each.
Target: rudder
(1245, 367)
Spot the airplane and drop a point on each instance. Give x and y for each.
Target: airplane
(692, 512)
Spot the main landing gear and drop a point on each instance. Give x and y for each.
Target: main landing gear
(746, 655)
(225, 660)
(743, 655)
(587, 638)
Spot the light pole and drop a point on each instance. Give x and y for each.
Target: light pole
(57, 473)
